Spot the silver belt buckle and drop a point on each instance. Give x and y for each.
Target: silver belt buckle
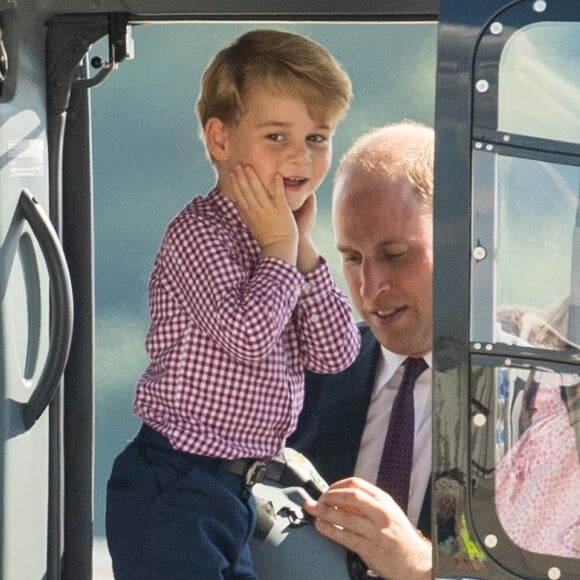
(256, 473)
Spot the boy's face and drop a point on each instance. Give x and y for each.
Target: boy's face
(277, 135)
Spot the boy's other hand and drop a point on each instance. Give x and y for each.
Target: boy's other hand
(305, 217)
(265, 213)
(308, 257)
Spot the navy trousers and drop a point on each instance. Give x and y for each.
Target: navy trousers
(177, 516)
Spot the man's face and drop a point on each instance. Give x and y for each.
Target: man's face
(277, 135)
(387, 258)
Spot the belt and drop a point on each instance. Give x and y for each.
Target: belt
(288, 468)
(251, 470)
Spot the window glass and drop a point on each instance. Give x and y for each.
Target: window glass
(526, 252)
(539, 82)
(525, 291)
(537, 252)
(526, 436)
(149, 162)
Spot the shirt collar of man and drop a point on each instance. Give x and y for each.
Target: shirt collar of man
(389, 363)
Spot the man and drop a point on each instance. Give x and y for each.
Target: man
(382, 218)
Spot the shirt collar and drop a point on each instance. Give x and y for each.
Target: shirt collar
(226, 207)
(390, 362)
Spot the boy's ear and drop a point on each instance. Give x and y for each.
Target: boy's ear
(216, 138)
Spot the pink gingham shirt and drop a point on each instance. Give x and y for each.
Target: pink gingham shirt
(230, 335)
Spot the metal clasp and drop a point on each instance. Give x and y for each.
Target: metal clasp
(256, 473)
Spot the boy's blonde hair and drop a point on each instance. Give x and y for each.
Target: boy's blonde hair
(282, 63)
(400, 149)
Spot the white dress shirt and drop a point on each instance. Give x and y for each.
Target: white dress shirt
(387, 381)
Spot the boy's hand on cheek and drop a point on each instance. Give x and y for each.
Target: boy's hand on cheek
(266, 213)
(308, 257)
(305, 217)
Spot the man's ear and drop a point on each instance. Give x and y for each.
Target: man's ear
(216, 138)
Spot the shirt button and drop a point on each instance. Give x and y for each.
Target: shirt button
(306, 288)
(314, 318)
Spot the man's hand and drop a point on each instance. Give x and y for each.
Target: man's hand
(363, 518)
(266, 213)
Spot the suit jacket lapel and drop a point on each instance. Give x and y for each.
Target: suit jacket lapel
(341, 417)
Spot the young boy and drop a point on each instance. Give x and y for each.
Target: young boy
(240, 303)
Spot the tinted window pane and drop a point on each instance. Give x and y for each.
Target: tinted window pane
(539, 82)
(526, 435)
(526, 252)
(538, 256)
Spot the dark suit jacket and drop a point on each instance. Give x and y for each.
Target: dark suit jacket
(331, 424)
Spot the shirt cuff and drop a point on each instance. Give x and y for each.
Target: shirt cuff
(280, 271)
(318, 282)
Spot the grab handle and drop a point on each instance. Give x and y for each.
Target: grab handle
(61, 319)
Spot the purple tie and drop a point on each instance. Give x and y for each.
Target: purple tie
(395, 469)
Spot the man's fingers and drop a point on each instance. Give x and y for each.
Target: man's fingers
(346, 502)
(359, 490)
(346, 538)
(351, 498)
(343, 515)
(358, 483)
(333, 522)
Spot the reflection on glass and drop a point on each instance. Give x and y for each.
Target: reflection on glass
(571, 397)
(537, 290)
(539, 82)
(537, 477)
(526, 437)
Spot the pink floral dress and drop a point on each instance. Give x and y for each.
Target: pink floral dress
(538, 481)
